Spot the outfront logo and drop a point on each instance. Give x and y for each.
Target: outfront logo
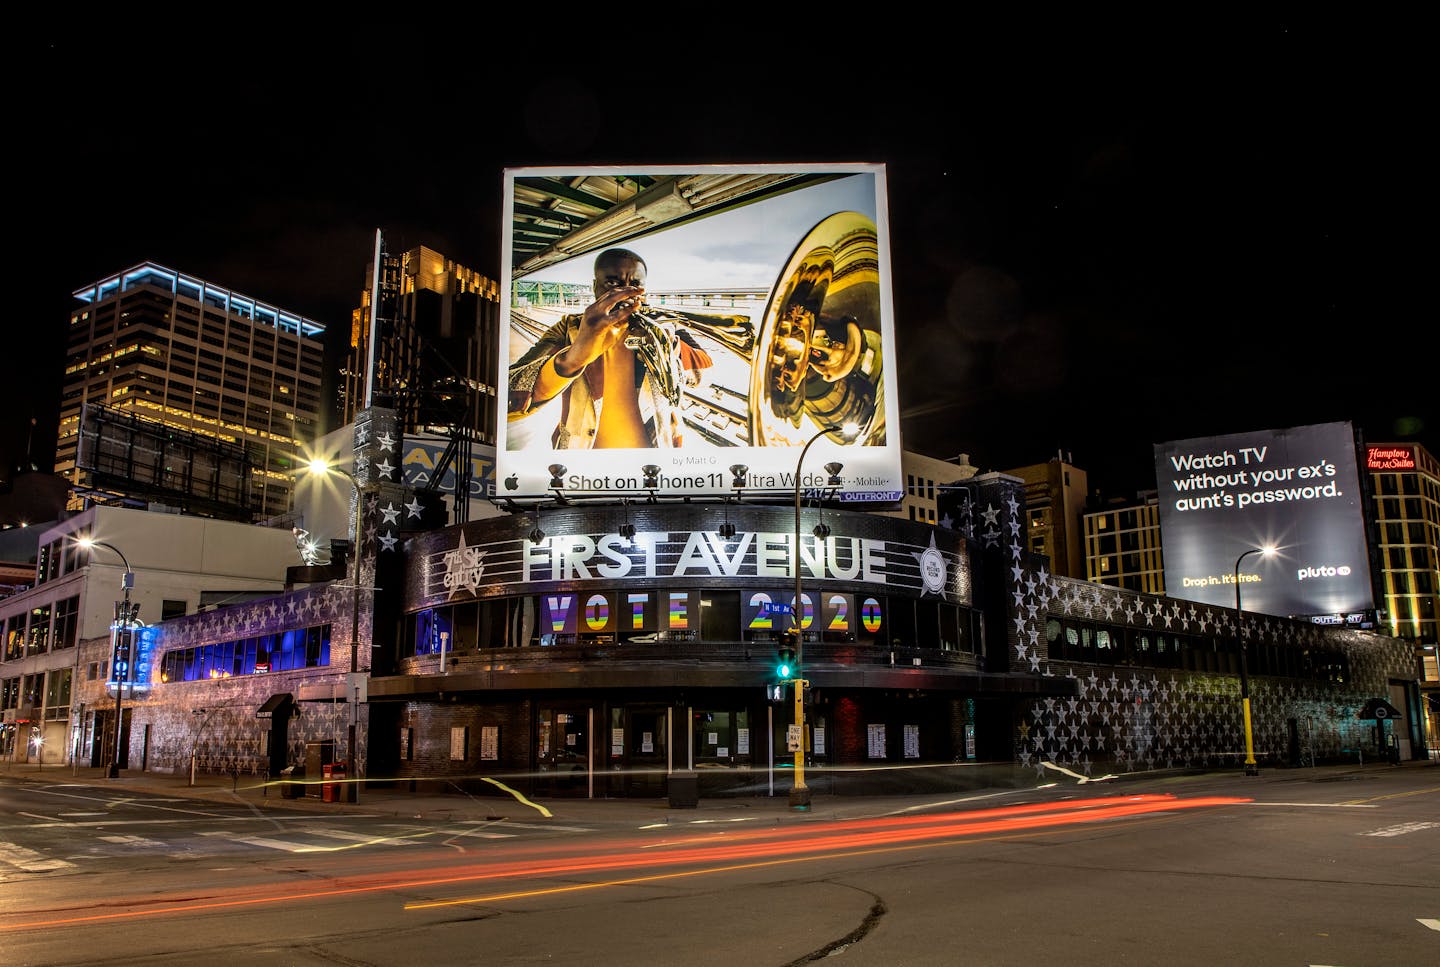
(1322, 571)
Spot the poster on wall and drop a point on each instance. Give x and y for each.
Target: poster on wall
(726, 316)
(875, 740)
(1295, 490)
(490, 742)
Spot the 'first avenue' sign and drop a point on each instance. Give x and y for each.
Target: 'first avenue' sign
(463, 570)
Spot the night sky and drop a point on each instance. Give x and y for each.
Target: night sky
(1104, 234)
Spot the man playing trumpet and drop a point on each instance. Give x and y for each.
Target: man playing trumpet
(618, 374)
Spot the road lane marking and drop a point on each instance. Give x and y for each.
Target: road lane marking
(1432, 924)
(29, 860)
(266, 843)
(1400, 795)
(1401, 829)
(474, 834)
(357, 837)
(132, 841)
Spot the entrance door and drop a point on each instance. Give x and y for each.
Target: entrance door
(279, 742)
(644, 751)
(563, 751)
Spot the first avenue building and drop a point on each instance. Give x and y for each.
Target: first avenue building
(567, 647)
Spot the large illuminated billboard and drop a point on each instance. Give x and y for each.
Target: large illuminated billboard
(693, 320)
(1296, 490)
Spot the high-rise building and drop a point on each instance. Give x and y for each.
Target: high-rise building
(1405, 483)
(436, 345)
(178, 391)
(430, 353)
(1122, 544)
(1055, 494)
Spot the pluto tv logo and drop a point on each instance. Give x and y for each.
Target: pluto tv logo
(1322, 571)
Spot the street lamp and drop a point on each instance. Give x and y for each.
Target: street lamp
(799, 792)
(122, 640)
(1251, 769)
(321, 468)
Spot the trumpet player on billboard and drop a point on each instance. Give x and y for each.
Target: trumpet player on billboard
(617, 372)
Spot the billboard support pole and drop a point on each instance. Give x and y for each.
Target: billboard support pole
(1251, 769)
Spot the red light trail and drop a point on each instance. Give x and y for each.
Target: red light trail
(738, 848)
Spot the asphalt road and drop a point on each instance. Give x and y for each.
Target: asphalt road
(1339, 870)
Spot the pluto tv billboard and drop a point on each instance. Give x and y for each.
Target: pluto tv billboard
(1297, 490)
(693, 320)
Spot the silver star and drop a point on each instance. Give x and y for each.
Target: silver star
(391, 513)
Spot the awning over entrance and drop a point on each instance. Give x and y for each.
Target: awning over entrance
(1378, 708)
(279, 704)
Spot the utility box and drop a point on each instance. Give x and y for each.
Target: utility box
(318, 755)
(684, 790)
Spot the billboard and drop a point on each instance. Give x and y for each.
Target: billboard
(1296, 490)
(693, 320)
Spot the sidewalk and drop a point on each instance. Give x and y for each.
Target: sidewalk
(396, 800)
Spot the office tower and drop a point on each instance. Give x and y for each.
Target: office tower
(1055, 494)
(435, 346)
(1405, 482)
(180, 392)
(1122, 544)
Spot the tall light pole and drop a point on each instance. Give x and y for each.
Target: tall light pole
(122, 641)
(321, 468)
(1251, 769)
(799, 792)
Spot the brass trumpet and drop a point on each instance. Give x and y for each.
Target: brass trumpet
(658, 350)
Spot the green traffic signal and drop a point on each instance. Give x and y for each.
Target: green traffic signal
(785, 665)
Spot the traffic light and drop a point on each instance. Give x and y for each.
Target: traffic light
(785, 665)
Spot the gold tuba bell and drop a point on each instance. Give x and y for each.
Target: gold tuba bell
(818, 361)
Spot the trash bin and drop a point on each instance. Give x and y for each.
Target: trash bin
(292, 782)
(343, 789)
(684, 790)
(317, 756)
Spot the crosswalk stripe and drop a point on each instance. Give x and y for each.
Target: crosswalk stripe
(29, 860)
(357, 837)
(133, 841)
(266, 843)
(478, 834)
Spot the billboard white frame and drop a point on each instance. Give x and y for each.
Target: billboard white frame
(737, 260)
